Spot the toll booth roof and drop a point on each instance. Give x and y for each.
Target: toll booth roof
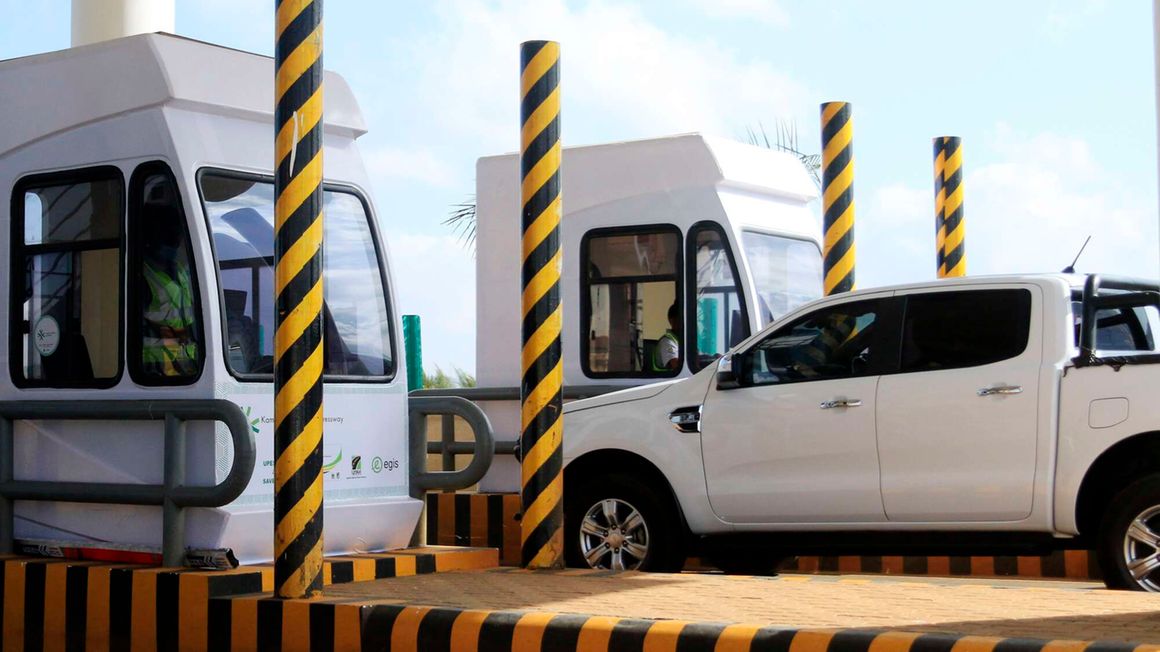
(599, 174)
(50, 93)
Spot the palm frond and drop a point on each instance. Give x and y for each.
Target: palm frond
(785, 139)
(462, 221)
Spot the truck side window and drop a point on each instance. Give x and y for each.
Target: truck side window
(950, 330)
(65, 328)
(720, 320)
(166, 346)
(834, 342)
(356, 322)
(632, 314)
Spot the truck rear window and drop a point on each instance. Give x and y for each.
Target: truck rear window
(1120, 329)
(950, 330)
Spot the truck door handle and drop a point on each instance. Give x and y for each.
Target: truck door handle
(1001, 389)
(841, 402)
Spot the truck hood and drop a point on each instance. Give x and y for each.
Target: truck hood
(622, 396)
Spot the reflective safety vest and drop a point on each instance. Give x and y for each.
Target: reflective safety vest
(657, 365)
(169, 347)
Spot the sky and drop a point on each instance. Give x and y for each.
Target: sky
(1054, 100)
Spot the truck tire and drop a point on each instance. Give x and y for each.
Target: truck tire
(1129, 537)
(627, 526)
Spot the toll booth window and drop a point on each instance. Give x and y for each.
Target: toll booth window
(165, 332)
(356, 323)
(720, 321)
(66, 280)
(831, 343)
(952, 330)
(631, 314)
(786, 272)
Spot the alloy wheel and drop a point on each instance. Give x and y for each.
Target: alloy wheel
(614, 536)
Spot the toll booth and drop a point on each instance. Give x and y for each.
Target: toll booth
(137, 241)
(718, 232)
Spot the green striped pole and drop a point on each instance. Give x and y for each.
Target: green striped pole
(837, 197)
(940, 233)
(542, 486)
(955, 256)
(298, 300)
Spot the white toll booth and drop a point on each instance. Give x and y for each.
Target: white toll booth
(718, 232)
(137, 236)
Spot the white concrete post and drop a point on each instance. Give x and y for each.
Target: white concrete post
(102, 20)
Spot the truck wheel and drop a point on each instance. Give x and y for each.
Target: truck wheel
(1129, 539)
(616, 523)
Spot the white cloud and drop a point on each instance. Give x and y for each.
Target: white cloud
(768, 12)
(619, 70)
(434, 277)
(1065, 15)
(1027, 209)
(401, 164)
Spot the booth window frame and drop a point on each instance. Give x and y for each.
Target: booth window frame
(678, 279)
(380, 257)
(18, 252)
(691, 288)
(135, 262)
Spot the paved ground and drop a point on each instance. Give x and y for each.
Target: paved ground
(1039, 609)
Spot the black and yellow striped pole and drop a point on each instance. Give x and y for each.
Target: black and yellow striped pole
(954, 247)
(837, 197)
(298, 300)
(940, 233)
(541, 388)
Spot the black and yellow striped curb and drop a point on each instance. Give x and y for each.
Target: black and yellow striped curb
(476, 519)
(298, 351)
(1063, 564)
(838, 249)
(54, 604)
(541, 387)
(491, 520)
(264, 624)
(954, 247)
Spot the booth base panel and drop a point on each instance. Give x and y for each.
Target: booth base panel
(492, 520)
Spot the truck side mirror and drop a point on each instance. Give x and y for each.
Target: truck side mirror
(729, 373)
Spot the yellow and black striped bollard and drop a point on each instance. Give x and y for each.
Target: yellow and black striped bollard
(955, 256)
(837, 197)
(542, 487)
(940, 233)
(298, 300)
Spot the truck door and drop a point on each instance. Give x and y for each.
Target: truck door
(957, 426)
(794, 443)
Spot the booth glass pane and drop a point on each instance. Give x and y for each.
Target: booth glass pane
(632, 286)
(356, 321)
(66, 325)
(720, 320)
(74, 212)
(786, 271)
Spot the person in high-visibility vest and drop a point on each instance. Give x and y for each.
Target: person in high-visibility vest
(169, 347)
(667, 354)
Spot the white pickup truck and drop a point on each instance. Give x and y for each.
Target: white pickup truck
(998, 414)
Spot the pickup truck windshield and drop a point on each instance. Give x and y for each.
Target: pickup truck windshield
(357, 332)
(786, 271)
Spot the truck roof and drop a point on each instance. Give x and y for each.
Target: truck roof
(1072, 280)
(620, 170)
(50, 93)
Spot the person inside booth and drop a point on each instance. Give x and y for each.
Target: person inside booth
(169, 337)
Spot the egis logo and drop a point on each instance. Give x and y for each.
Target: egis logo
(253, 421)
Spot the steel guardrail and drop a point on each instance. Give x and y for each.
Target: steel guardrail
(173, 496)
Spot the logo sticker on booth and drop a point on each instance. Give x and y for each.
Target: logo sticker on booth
(46, 335)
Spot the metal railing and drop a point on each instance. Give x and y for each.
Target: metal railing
(172, 495)
(482, 449)
(449, 449)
